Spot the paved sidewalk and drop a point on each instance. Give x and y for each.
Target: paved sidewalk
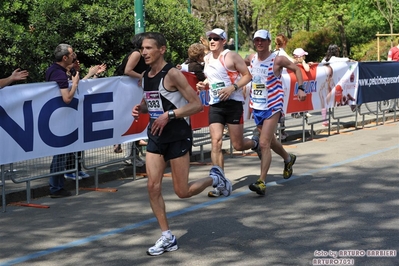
(39, 188)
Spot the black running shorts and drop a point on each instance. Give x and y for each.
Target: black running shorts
(170, 150)
(226, 112)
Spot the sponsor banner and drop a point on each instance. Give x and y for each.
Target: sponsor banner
(378, 81)
(200, 119)
(35, 122)
(326, 86)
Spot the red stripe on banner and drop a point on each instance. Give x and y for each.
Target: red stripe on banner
(294, 105)
(200, 119)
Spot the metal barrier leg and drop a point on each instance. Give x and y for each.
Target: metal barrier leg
(329, 121)
(357, 111)
(96, 177)
(28, 199)
(134, 152)
(77, 161)
(363, 122)
(376, 119)
(383, 118)
(311, 131)
(28, 192)
(3, 189)
(231, 148)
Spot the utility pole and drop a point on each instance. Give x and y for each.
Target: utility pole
(139, 21)
(236, 25)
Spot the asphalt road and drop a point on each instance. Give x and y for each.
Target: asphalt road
(342, 200)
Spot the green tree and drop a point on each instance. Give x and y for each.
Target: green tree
(388, 8)
(100, 31)
(13, 32)
(179, 27)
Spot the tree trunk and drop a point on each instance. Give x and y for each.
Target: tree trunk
(342, 36)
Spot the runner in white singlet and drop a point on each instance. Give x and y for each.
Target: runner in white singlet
(226, 74)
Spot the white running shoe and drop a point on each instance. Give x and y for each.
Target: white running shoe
(163, 245)
(224, 185)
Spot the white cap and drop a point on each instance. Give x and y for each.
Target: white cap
(299, 52)
(219, 32)
(263, 34)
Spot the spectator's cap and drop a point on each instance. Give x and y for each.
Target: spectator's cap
(300, 52)
(219, 32)
(263, 34)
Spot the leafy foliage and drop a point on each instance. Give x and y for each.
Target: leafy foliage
(308, 24)
(179, 27)
(315, 43)
(100, 31)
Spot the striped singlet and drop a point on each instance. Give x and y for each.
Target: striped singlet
(267, 92)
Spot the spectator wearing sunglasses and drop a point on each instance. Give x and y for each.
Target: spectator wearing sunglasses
(64, 58)
(93, 72)
(226, 74)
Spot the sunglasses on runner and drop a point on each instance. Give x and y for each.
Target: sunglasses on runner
(216, 39)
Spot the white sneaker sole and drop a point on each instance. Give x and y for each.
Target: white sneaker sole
(174, 248)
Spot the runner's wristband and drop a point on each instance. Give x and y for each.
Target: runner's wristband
(235, 87)
(171, 114)
(300, 87)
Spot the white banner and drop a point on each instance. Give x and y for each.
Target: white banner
(326, 86)
(35, 122)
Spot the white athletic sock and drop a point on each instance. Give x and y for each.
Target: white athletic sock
(167, 234)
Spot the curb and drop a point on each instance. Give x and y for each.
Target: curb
(43, 191)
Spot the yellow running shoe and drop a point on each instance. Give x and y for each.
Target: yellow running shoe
(259, 187)
(287, 173)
